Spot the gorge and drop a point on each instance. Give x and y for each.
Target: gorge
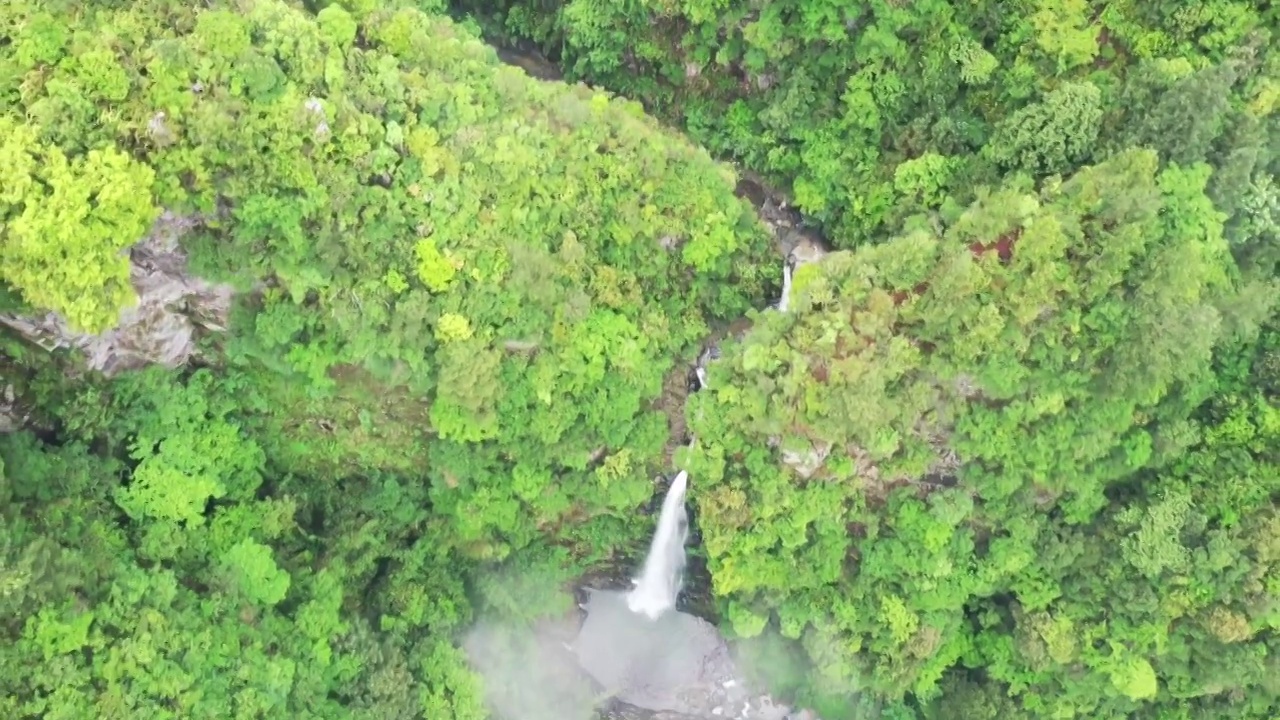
(352, 370)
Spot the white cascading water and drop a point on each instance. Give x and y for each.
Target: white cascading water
(658, 586)
(785, 301)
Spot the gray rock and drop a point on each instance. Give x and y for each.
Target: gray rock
(671, 664)
(526, 57)
(807, 461)
(162, 327)
(10, 416)
(802, 248)
(677, 667)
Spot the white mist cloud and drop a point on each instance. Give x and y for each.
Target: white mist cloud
(528, 672)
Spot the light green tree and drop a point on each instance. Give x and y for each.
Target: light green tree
(65, 223)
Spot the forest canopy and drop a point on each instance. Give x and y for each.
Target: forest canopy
(1013, 450)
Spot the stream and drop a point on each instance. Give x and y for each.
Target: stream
(656, 645)
(681, 613)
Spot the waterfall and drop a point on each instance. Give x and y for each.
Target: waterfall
(785, 302)
(659, 582)
(656, 589)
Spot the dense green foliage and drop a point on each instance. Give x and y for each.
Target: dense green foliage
(235, 611)
(465, 290)
(977, 459)
(1014, 451)
(1042, 344)
(526, 278)
(873, 110)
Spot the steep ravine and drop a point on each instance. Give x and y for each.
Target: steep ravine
(175, 309)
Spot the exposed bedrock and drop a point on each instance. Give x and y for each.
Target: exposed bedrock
(162, 328)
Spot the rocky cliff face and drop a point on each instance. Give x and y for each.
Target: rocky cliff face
(173, 309)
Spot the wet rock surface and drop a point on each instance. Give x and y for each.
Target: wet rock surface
(11, 417)
(677, 667)
(675, 662)
(525, 56)
(173, 308)
(600, 661)
(796, 239)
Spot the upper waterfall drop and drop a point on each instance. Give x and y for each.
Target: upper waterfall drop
(660, 580)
